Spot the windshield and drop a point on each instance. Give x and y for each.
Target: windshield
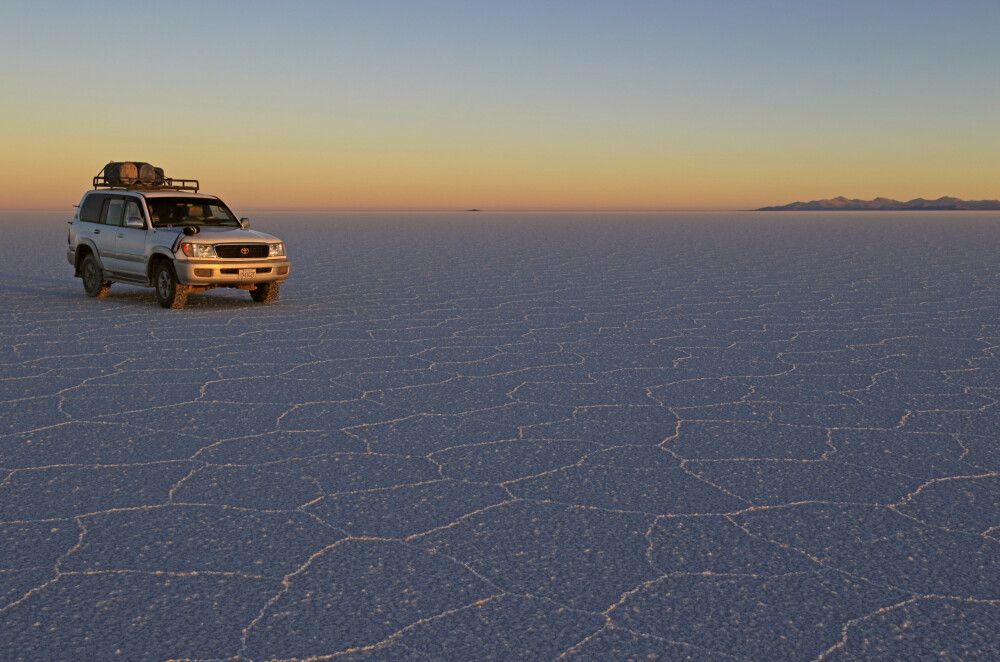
(165, 212)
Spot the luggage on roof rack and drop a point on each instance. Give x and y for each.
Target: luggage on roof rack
(140, 175)
(121, 174)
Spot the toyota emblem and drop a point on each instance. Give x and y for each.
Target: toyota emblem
(245, 251)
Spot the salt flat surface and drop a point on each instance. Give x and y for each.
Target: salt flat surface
(473, 436)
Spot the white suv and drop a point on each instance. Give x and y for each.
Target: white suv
(163, 233)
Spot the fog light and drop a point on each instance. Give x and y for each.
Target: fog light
(203, 273)
(282, 271)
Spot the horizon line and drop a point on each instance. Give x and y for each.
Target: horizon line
(312, 210)
(511, 210)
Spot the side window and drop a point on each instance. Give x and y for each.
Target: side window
(90, 212)
(112, 212)
(132, 210)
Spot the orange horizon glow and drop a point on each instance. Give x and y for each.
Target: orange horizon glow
(262, 182)
(322, 166)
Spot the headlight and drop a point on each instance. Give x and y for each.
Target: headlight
(198, 250)
(276, 250)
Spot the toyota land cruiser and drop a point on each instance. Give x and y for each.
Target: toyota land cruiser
(138, 227)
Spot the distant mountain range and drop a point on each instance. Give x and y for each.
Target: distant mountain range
(841, 203)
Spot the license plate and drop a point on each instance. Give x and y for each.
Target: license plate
(248, 274)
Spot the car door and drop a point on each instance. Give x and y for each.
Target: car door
(90, 228)
(130, 244)
(104, 234)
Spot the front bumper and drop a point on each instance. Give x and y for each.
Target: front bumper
(227, 272)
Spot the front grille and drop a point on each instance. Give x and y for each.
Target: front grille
(236, 250)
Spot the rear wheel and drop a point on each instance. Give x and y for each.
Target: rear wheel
(265, 292)
(169, 292)
(93, 278)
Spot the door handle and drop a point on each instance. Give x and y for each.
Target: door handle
(96, 231)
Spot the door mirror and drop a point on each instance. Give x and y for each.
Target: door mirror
(245, 223)
(134, 222)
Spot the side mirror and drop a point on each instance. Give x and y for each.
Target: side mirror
(134, 222)
(245, 223)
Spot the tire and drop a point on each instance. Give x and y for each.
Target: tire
(93, 278)
(266, 292)
(169, 292)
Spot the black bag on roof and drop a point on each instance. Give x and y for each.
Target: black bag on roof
(121, 173)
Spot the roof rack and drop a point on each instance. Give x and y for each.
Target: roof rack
(168, 184)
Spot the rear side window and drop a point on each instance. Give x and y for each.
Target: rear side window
(112, 214)
(90, 212)
(132, 210)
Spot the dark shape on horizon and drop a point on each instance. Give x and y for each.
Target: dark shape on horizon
(840, 203)
(471, 210)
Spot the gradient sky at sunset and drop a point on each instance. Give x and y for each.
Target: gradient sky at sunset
(505, 105)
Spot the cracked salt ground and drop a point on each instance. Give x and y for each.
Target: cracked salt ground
(702, 437)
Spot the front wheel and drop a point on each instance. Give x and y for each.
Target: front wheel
(93, 278)
(265, 292)
(169, 292)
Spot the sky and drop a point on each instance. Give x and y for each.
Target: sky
(542, 105)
